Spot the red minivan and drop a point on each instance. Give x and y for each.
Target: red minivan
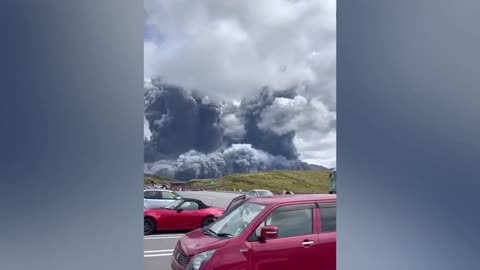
(271, 233)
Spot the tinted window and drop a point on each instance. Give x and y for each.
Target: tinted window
(328, 216)
(290, 223)
(151, 195)
(189, 206)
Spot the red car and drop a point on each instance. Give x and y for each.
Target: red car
(184, 214)
(271, 233)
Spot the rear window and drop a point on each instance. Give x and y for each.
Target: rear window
(152, 194)
(264, 193)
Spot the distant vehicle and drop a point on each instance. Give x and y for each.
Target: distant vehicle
(332, 182)
(184, 214)
(155, 198)
(270, 233)
(258, 193)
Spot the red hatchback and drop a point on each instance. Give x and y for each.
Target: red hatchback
(270, 233)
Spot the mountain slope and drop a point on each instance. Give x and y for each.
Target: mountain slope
(316, 167)
(315, 181)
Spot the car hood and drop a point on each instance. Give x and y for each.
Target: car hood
(196, 242)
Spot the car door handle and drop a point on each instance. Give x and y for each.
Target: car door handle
(307, 243)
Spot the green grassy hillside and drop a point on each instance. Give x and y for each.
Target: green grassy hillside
(276, 181)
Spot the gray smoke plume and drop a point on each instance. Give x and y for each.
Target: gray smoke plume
(238, 158)
(192, 136)
(179, 121)
(264, 139)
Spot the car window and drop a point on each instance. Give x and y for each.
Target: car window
(151, 194)
(173, 204)
(168, 195)
(189, 206)
(265, 193)
(290, 222)
(328, 217)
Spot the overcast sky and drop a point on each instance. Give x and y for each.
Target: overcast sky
(230, 49)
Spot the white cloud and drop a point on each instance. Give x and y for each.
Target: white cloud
(312, 122)
(232, 126)
(230, 49)
(318, 150)
(297, 114)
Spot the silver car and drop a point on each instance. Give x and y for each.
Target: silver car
(158, 198)
(257, 193)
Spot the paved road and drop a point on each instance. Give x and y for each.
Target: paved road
(158, 248)
(211, 198)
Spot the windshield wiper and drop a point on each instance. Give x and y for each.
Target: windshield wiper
(225, 235)
(211, 232)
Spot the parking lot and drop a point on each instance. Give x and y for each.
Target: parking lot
(158, 248)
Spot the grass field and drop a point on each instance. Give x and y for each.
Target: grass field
(276, 181)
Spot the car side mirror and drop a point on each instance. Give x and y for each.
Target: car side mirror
(269, 232)
(178, 198)
(179, 210)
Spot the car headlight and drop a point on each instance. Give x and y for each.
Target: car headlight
(200, 259)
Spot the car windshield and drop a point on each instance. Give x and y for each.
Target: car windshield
(237, 220)
(264, 193)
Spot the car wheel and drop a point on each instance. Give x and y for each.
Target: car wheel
(207, 221)
(148, 226)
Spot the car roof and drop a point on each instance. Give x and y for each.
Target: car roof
(276, 199)
(193, 200)
(260, 190)
(200, 203)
